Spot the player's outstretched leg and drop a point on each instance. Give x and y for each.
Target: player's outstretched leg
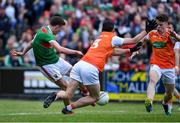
(84, 92)
(84, 101)
(148, 105)
(66, 111)
(51, 98)
(154, 77)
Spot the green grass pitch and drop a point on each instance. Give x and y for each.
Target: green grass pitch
(32, 111)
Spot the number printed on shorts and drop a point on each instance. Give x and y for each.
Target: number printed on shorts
(95, 44)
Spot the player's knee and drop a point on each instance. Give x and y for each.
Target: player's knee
(153, 81)
(96, 98)
(69, 95)
(63, 87)
(169, 95)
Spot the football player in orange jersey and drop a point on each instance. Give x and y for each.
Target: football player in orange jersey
(162, 63)
(86, 71)
(158, 69)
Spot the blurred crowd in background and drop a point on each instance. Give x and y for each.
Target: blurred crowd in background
(20, 19)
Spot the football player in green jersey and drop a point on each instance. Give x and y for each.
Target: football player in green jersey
(44, 47)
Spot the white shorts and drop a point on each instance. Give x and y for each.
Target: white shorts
(57, 70)
(85, 73)
(167, 75)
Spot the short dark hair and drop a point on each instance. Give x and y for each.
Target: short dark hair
(162, 18)
(57, 20)
(170, 22)
(108, 25)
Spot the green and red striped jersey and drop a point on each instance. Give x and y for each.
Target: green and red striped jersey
(43, 51)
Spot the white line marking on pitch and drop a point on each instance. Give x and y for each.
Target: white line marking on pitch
(29, 113)
(40, 113)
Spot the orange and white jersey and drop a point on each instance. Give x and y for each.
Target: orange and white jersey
(101, 49)
(163, 50)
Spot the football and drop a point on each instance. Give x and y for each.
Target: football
(103, 99)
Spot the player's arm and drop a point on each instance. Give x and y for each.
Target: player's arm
(177, 52)
(29, 46)
(150, 25)
(175, 35)
(25, 50)
(117, 41)
(134, 54)
(132, 40)
(145, 39)
(119, 51)
(135, 39)
(64, 50)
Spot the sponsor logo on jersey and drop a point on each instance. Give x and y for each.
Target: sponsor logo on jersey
(159, 45)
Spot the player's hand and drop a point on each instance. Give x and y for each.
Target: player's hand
(172, 33)
(16, 53)
(134, 54)
(136, 47)
(79, 53)
(150, 25)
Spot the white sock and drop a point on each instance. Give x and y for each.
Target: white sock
(69, 107)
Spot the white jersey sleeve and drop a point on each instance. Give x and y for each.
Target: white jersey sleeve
(177, 45)
(146, 37)
(34, 37)
(117, 41)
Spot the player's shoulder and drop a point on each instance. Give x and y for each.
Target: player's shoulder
(153, 32)
(44, 32)
(107, 34)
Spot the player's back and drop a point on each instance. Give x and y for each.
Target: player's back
(100, 50)
(43, 51)
(163, 54)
